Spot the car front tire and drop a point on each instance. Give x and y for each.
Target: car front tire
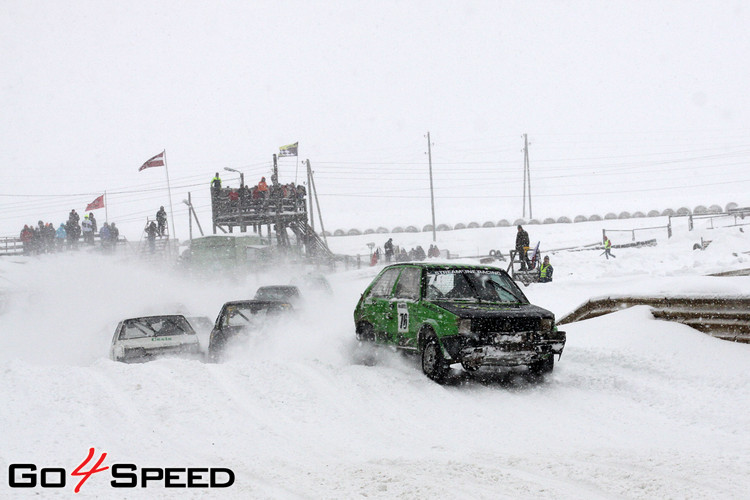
(433, 363)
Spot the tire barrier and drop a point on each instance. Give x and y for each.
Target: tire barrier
(726, 318)
(682, 211)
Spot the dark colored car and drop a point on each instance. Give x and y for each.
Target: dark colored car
(285, 293)
(240, 318)
(472, 315)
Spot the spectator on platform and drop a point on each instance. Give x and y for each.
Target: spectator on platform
(151, 231)
(216, 182)
(161, 221)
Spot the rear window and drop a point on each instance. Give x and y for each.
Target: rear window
(155, 327)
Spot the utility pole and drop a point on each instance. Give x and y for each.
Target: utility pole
(275, 175)
(310, 195)
(432, 193)
(526, 176)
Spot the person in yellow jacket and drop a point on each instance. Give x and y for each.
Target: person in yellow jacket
(545, 271)
(608, 249)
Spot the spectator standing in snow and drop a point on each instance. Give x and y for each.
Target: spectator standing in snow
(94, 227)
(105, 237)
(26, 237)
(88, 230)
(388, 247)
(60, 235)
(545, 271)
(608, 249)
(522, 243)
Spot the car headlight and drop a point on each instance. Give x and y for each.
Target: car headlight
(546, 324)
(464, 326)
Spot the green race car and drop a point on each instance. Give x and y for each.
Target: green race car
(473, 315)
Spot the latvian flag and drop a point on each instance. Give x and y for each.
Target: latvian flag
(156, 161)
(97, 203)
(289, 150)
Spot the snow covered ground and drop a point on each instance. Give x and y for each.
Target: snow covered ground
(636, 408)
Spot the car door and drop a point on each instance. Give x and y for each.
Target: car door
(406, 307)
(379, 310)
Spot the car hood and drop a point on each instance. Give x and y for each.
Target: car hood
(493, 310)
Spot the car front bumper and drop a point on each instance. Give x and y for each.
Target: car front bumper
(503, 350)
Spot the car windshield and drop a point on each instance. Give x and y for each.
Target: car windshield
(155, 326)
(475, 285)
(252, 314)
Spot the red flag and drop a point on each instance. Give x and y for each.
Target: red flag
(97, 203)
(156, 161)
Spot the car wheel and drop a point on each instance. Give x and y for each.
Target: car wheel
(215, 348)
(365, 332)
(543, 366)
(433, 363)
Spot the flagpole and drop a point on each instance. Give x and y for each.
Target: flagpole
(172, 231)
(106, 211)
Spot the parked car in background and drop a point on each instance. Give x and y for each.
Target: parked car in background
(148, 337)
(240, 318)
(473, 315)
(284, 293)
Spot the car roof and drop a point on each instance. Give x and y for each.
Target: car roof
(256, 302)
(157, 316)
(278, 287)
(444, 266)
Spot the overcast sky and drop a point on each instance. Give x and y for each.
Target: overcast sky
(628, 105)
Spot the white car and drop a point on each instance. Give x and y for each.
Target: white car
(142, 339)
